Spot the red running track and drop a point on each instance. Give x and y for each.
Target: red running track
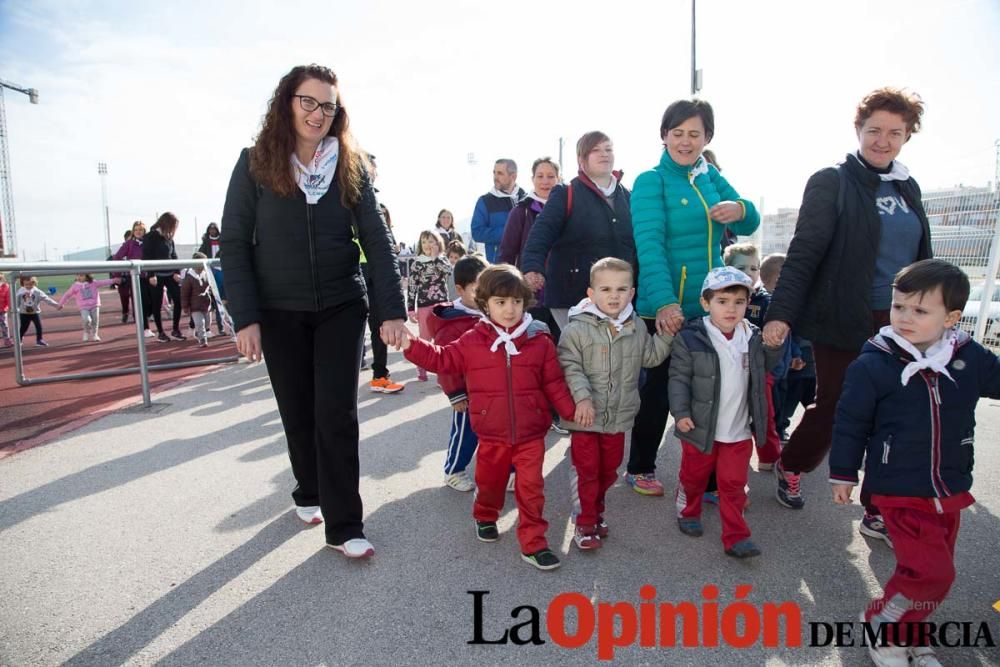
(35, 414)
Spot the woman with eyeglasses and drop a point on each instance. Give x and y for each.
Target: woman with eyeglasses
(580, 223)
(680, 211)
(299, 211)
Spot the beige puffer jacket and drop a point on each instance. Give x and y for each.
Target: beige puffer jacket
(605, 368)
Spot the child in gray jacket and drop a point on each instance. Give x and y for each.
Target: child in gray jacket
(602, 350)
(717, 391)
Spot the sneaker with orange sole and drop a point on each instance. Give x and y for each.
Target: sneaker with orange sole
(384, 386)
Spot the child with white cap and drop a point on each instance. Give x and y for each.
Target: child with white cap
(717, 395)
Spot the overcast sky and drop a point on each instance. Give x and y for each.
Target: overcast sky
(168, 93)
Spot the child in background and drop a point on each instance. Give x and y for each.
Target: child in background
(5, 340)
(746, 258)
(87, 293)
(908, 409)
(602, 350)
(29, 307)
(196, 300)
(456, 251)
(449, 321)
(428, 285)
(717, 386)
(512, 375)
(798, 386)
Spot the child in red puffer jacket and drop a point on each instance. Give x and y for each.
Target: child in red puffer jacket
(512, 375)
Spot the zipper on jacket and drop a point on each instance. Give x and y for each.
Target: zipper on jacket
(708, 217)
(684, 277)
(312, 256)
(510, 399)
(611, 376)
(937, 482)
(886, 447)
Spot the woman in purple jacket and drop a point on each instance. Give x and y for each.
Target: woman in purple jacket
(131, 249)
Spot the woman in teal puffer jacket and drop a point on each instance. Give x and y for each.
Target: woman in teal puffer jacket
(680, 211)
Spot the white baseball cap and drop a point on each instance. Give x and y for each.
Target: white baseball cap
(725, 276)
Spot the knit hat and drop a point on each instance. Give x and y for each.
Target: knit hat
(723, 277)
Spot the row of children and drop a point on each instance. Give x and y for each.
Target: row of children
(504, 371)
(85, 291)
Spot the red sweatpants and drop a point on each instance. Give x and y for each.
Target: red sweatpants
(925, 565)
(770, 450)
(596, 457)
(730, 461)
(493, 463)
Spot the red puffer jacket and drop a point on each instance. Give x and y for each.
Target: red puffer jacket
(509, 396)
(447, 325)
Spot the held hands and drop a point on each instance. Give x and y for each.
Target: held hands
(775, 332)
(395, 334)
(685, 424)
(584, 415)
(248, 342)
(797, 364)
(669, 319)
(726, 212)
(842, 493)
(461, 406)
(535, 280)
(177, 278)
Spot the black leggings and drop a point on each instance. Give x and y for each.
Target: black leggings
(26, 320)
(156, 301)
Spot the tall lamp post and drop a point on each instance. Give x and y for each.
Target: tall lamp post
(695, 72)
(8, 229)
(102, 170)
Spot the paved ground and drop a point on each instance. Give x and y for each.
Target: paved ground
(37, 413)
(168, 537)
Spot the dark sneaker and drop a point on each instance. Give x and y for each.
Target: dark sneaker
(559, 429)
(873, 526)
(162, 337)
(690, 527)
(602, 528)
(543, 559)
(788, 493)
(743, 549)
(586, 540)
(41, 343)
(177, 334)
(125, 318)
(486, 531)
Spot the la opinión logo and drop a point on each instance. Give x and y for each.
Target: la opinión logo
(572, 621)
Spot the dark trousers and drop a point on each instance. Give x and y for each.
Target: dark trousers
(651, 421)
(27, 320)
(811, 441)
(156, 301)
(125, 294)
(380, 353)
(312, 360)
(788, 395)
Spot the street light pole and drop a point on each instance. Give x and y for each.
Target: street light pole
(8, 229)
(102, 170)
(695, 72)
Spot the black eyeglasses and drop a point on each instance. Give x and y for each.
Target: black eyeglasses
(310, 103)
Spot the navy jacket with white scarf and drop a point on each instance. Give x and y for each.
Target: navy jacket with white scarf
(918, 438)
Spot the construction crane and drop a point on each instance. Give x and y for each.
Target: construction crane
(8, 228)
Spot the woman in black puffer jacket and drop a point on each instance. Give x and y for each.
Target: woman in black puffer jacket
(299, 209)
(159, 244)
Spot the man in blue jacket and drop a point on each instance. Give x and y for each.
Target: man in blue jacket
(492, 209)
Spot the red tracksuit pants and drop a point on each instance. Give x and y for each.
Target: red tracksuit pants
(925, 565)
(493, 463)
(730, 461)
(596, 457)
(770, 450)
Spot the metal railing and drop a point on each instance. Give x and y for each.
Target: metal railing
(134, 269)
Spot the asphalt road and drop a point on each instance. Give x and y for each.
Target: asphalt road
(168, 537)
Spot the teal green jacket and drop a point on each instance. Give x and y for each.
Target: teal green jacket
(676, 241)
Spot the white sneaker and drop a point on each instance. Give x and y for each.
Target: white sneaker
(86, 337)
(310, 514)
(96, 338)
(460, 481)
(357, 548)
(148, 333)
(889, 655)
(923, 656)
(510, 484)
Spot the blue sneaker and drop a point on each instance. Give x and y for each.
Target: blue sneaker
(743, 549)
(690, 527)
(711, 497)
(872, 525)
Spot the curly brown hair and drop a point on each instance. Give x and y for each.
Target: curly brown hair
(269, 157)
(900, 101)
